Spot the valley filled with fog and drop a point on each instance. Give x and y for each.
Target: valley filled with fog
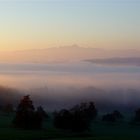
(65, 84)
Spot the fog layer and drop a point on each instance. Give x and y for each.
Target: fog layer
(62, 85)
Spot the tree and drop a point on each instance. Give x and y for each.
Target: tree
(109, 118)
(137, 115)
(77, 118)
(113, 117)
(26, 115)
(118, 115)
(40, 115)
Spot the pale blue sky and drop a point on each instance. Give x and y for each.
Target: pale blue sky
(88, 23)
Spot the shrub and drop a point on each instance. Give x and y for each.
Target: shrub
(77, 118)
(112, 117)
(137, 115)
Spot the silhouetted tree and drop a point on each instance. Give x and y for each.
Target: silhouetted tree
(42, 112)
(91, 111)
(137, 115)
(62, 119)
(113, 117)
(40, 115)
(26, 116)
(109, 118)
(76, 119)
(118, 115)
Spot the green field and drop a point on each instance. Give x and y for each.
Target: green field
(99, 131)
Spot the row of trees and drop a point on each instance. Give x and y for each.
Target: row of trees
(78, 118)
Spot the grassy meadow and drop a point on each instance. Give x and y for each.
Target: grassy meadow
(99, 131)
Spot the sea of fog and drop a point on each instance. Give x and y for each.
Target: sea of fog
(64, 84)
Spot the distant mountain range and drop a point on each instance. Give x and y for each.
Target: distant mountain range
(66, 54)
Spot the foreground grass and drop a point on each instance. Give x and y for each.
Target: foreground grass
(99, 131)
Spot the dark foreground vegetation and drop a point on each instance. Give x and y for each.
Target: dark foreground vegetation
(81, 122)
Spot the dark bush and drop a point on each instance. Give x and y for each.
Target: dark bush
(118, 115)
(76, 119)
(113, 117)
(109, 118)
(137, 115)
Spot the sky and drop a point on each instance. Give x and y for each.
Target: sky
(38, 24)
(58, 32)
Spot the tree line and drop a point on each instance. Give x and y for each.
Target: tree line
(78, 118)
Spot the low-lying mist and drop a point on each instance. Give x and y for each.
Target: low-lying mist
(57, 86)
(57, 98)
(105, 99)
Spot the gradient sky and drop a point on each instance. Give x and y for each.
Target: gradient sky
(33, 24)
